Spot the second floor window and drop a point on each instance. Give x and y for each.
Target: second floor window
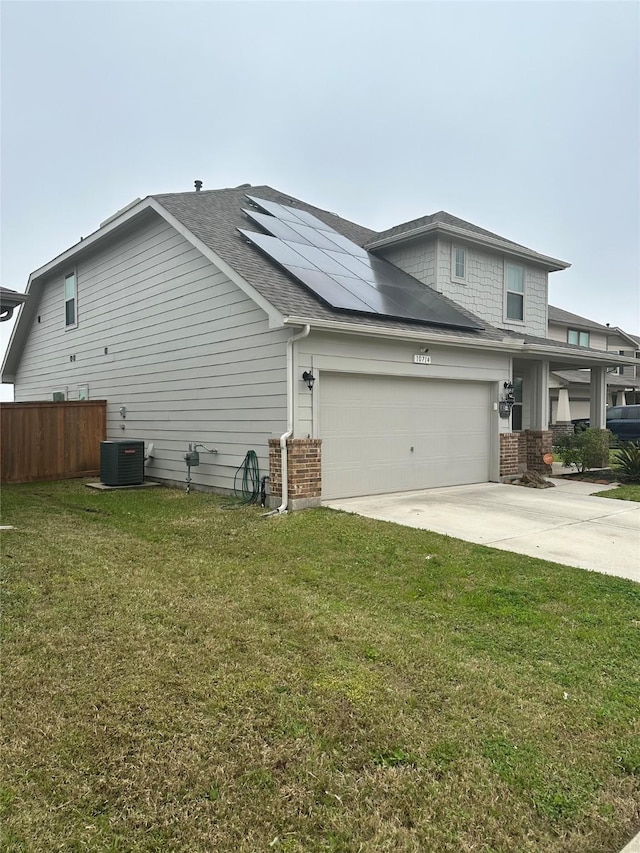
(459, 263)
(70, 297)
(574, 336)
(514, 275)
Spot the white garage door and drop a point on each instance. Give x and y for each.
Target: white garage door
(390, 434)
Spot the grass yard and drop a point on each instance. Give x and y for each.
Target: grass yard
(622, 493)
(181, 677)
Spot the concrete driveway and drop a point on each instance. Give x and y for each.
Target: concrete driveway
(565, 524)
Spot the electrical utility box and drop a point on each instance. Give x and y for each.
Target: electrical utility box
(122, 463)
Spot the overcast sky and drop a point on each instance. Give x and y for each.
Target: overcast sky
(521, 117)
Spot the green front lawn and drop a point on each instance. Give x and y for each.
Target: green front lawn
(181, 677)
(622, 493)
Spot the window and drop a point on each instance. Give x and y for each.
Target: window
(458, 263)
(83, 392)
(70, 299)
(514, 276)
(516, 410)
(59, 395)
(574, 336)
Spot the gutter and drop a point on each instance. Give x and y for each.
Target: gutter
(505, 345)
(284, 470)
(402, 334)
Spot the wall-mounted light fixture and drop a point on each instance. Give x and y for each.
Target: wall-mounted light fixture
(309, 378)
(123, 411)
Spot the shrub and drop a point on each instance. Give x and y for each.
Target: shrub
(628, 462)
(586, 449)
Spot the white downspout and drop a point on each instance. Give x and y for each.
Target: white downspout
(290, 404)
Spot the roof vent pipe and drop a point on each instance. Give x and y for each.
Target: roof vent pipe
(197, 185)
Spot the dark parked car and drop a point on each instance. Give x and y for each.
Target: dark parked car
(622, 421)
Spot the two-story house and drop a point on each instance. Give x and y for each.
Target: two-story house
(351, 361)
(569, 390)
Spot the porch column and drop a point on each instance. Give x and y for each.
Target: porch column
(598, 398)
(563, 414)
(621, 399)
(539, 418)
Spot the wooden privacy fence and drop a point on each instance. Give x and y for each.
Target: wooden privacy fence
(51, 441)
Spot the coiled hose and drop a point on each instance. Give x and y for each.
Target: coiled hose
(249, 493)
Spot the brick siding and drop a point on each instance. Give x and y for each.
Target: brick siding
(560, 429)
(539, 442)
(304, 471)
(523, 451)
(509, 453)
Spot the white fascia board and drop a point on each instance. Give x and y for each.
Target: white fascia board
(505, 345)
(553, 264)
(419, 335)
(581, 325)
(616, 330)
(275, 317)
(28, 310)
(599, 357)
(91, 240)
(151, 203)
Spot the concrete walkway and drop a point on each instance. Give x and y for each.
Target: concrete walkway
(565, 524)
(633, 846)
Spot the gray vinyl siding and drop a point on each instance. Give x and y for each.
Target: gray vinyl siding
(483, 292)
(189, 355)
(560, 331)
(418, 258)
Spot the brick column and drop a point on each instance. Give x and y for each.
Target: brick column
(560, 429)
(538, 442)
(509, 454)
(304, 472)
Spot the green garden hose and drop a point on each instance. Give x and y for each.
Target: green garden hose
(250, 490)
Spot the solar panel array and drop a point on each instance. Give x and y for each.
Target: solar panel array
(343, 274)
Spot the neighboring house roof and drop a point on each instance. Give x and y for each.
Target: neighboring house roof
(559, 315)
(566, 318)
(533, 340)
(582, 377)
(9, 301)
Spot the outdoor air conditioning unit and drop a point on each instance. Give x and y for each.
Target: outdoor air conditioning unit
(122, 463)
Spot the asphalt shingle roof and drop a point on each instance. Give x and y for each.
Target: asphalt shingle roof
(559, 315)
(583, 377)
(214, 216)
(444, 218)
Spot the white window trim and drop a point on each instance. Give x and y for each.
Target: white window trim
(62, 390)
(579, 333)
(454, 277)
(74, 273)
(508, 319)
(83, 388)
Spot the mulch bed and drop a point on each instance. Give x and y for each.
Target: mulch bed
(605, 476)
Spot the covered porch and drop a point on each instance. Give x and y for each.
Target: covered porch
(539, 394)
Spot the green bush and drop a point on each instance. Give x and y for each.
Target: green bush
(628, 462)
(586, 449)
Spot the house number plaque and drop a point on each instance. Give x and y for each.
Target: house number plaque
(421, 359)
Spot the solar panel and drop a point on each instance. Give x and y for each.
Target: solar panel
(277, 228)
(341, 273)
(290, 214)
